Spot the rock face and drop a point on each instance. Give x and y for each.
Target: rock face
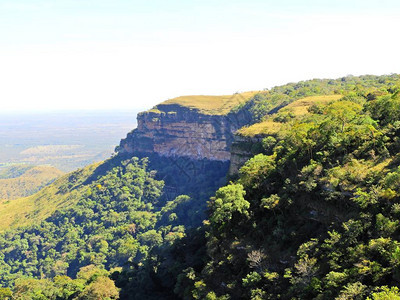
(242, 149)
(173, 130)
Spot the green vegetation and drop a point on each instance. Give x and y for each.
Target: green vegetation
(270, 101)
(104, 217)
(91, 283)
(112, 222)
(300, 107)
(273, 123)
(20, 181)
(210, 105)
(314, 215)
(318, 217)
(13, 170)
(63, 192)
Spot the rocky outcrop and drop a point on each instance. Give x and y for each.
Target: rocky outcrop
(242, 149)
(173, 130)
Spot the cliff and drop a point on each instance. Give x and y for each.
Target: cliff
(197, 127)
(210, 127)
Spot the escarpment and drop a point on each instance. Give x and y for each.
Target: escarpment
(197, 127)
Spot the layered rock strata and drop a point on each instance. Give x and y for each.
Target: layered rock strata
(173, 130)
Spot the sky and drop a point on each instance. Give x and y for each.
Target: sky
(117, 54)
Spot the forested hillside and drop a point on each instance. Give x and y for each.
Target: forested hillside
(313, 214)
(104, 217)
(21, 180)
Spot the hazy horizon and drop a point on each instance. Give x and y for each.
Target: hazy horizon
(134, 54)
(48, 111)
(64, 139)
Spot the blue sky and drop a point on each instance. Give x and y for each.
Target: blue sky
(85, 54)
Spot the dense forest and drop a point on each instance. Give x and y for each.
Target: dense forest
(314, 214)
(122, 213)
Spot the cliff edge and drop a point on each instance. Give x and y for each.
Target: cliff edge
(197, 127)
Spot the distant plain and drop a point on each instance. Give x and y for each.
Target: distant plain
(65, 140)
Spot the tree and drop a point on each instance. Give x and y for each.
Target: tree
(228, 201)
(5, 294)
(386, 108)
(386, 293)
(103, 288)
(255, 170)
(343, 112)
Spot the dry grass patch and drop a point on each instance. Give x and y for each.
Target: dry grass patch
(300, 107)
(211, 105)
(268, 127)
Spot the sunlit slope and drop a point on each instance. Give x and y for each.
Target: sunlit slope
(300, 107)
(29, 182)
(211, 105)
(62, 193)
(296, 109)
